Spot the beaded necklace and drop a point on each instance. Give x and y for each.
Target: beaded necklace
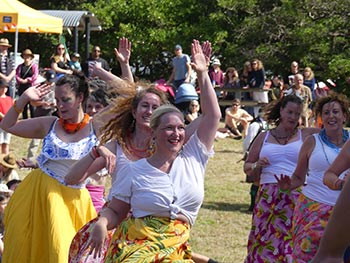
(141, 153)
(72, 128)
(284, 138)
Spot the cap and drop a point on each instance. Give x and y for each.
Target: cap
(5, 42)
(216, 62)
(50, 75)
(3, 83)
(75, 54)
(177, 47)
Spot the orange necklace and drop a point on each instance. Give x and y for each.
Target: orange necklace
(141, 153)
(74, 127)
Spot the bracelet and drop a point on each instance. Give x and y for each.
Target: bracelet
(92, 156)
(95, 152)
(17, 109)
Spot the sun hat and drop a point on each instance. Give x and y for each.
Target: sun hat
(216, 62)
(75, 54)
(8, 160)
(3, 83)
(27, 52)
(5, 42)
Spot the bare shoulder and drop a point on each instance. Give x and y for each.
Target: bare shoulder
(309, 131)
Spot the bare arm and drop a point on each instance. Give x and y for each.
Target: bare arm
(210, 108)
(123, 56)
(340, 164)
(9, 77)
(89, 165)
(60, 70)
(29, 128)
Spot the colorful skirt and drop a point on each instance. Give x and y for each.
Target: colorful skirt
(150, 239)
(42, 218)
(309, 222)
(270, 236)
(79, 251)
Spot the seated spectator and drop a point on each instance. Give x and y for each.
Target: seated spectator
(59, 61)
(7, 168)
(237, 120)
(231, 80)
(193, 111)
(74, 64)
(276, 89)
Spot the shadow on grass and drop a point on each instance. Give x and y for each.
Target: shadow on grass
(221, 206)
(229, 151)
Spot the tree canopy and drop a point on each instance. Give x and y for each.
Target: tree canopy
(313, 32)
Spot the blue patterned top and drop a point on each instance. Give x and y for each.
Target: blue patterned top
(57, 157)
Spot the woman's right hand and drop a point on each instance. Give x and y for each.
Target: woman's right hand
(98, 237)
(284, 182)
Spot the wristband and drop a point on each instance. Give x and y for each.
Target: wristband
(17, 109)
(94, 152)
(254, 166)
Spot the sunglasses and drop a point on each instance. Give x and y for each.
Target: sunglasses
(235, 105)
(60, 48)
(194, 105)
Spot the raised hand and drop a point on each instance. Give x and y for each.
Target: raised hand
(124, 50)
(206, 47)
(200, 63)
(36, 93)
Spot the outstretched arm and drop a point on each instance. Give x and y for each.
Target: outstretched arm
(210, 108)
(123, 55)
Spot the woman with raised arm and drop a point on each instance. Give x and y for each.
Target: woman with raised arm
(176, 164)
(274, 152)
(44, 213)
(315, 203)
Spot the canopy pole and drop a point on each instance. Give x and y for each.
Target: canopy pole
(16, 46)
(87, 31)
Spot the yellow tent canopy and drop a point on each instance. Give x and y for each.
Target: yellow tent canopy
(16, 16)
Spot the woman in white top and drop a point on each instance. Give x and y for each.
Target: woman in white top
(164, 191)
(274, 152)
(315, 203)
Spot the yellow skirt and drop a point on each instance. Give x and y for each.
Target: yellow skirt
(42, 218)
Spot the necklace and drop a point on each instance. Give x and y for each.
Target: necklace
(284, 138)
(141, 153)
(74, 127)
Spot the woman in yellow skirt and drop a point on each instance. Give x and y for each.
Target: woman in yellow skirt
(44, 213)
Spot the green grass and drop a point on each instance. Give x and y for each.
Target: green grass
(222, 227)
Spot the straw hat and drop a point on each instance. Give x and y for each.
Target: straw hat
(27, 52)
(5, 42)
(8, 160)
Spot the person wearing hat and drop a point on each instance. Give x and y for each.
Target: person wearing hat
(216, 74)
(7, 66)
(6, 103)
(26, 76)
(182, 69)
(74, 63)
(7, 168)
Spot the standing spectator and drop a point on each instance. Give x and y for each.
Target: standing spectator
(305, 94)
(315, 203)
(309, 80)
(256, 79)
(6, 103)
(182, 69)
(95, 57)
(7, 168)
(7, 66)
(26, 76)
(59, 61)
(274, 152)
(276, 89)
(289, 78)
(50, 211)
(216, 74)
(74, 63)
(237, 120)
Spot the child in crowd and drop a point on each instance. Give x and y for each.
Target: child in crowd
(74, 63)
(6, 103)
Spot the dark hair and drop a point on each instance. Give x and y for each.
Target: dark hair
(12, 182)
(100, 96)
(77, 85)
(332, 97)
(272, 110)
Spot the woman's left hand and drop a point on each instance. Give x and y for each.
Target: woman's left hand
(109, 157)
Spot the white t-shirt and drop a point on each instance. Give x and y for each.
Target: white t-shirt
(150, 191)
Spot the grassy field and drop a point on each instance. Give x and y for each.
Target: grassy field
(222, 227)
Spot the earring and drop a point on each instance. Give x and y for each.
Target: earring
(152, 146)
